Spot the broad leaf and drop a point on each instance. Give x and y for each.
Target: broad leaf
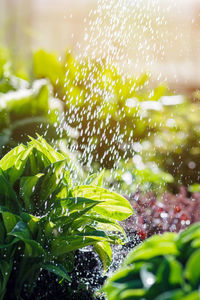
(57, 269)
(48, 184)
(95, 180)
(192, 271)
(22, 232)
(154, 246)
(99, 222)
(14, 166)
(104, 251)
(111, 204)
(70, 210)
(63, 245)
(8, 161)
(27, 187)
(41, 145)
(7, 194)
(171, 295)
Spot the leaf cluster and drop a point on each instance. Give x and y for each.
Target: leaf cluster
(175, 146)
(162, 267)
(108, 108)
(24, 107)
(127, 178)
(44, 218)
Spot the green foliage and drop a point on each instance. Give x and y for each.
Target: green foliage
(175, 146)
(44, 218)
(24, 107)
(8, 79)
(127, 178)
(162, 268)
(194, 188)
(24, 112)
(54, 68)
(104, 105)
(113, 112)
(4, 61)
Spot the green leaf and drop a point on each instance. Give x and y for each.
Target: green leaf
(7, 194)
(57, 269)
(27, 186)
(47, 65)
(196, 243)
(169, 275)
(104, 251)
(192, 271)
(194, 188)
(41, 145)
(192, 296)
(74, 204)
(71, 209)
(96, 180)
(176, 271)
(152, 247)
(124, 279)
(111, 204)
(99, 222)
(132, 294)
(171, 295)
(38, 161)
(10, 220)
(14, 165)
(48, 184)
(22, 232)
(67, 244)
(189, 234)
(34, 223)
(8, 161)
(27, 102)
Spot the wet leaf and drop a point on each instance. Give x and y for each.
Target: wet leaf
(57, 269)
(192, 272)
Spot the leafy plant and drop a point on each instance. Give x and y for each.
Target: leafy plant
(128, 177)
(106, 107)
(175, 146)
(162, 267)
(45, 217)
(25, 108)
(113, 113)
(9, 78)
(24, 112)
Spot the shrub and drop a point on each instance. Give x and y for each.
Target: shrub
(105, 106)
(162, 267)
(45, 217)
(26, 111)
(25, 108)
(129, 176)
(175, 146)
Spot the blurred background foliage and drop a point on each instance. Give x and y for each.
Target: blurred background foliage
(26, 107)
(176, 145)
(150, 136)
(103, 104)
